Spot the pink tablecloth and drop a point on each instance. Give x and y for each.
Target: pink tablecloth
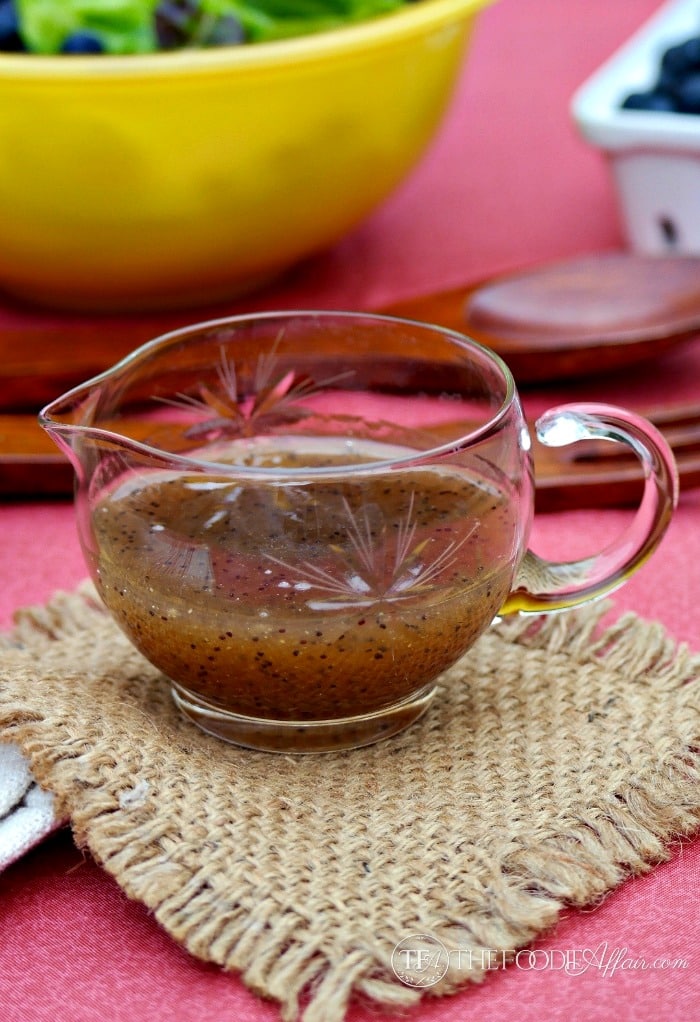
(507, 183)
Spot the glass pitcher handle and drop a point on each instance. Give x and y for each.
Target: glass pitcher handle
(543, 585)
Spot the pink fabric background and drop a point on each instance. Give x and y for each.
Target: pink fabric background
(507, 183)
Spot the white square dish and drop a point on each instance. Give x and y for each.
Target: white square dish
(654, 156)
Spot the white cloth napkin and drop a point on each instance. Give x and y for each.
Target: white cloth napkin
(27, 813)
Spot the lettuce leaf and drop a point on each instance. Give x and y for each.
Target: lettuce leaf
(123, 26)
(266, 20)
(128, 26)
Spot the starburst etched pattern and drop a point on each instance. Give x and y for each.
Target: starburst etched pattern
(275, 397)
(370, 568)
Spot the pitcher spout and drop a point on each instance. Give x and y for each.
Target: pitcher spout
(67, 420)
(64, 437)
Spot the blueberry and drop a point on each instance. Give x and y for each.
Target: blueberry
(691, 52)
(677, 87)
(667, 80)
(184, 23)
(174, 22)
(679, 59)
(660, 102)
(10, 39)
(82, 43)
(674, 63)
(225, 31)
(677, 63)
(688, 94)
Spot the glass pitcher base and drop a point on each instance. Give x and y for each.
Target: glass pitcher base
(300, 737)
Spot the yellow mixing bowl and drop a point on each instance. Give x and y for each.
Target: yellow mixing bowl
(184, 177)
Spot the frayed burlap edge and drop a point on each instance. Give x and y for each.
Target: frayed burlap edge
(657, 803)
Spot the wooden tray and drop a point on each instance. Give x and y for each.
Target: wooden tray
(44, 354)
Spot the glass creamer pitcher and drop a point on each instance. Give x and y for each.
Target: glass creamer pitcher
(303, 518)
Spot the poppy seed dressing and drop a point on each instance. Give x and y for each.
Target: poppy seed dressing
(312, 600)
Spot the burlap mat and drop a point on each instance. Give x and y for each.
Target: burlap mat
(554, 763)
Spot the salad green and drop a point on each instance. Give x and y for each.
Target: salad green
(143, 26)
